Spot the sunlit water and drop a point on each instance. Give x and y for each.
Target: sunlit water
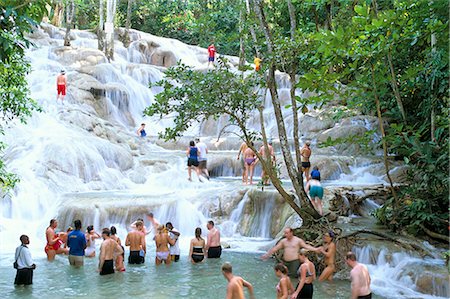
(179, 280)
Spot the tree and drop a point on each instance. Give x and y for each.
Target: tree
(15, 102)
(70, 14)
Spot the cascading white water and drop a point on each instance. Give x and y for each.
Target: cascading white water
(77, 160)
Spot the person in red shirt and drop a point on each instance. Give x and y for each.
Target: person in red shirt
(211, 54)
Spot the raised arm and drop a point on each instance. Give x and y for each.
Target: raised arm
(274, 249)
(127, 241)
(306, 246)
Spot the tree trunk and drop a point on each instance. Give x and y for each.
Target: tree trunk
(58, 14)
(252, 29)
(110, 15)
(383, 141)
(126, 41)
(395, 87)
(433, 113)
(241, 39)
(101, 25)
(292, 18)
(70, 12)
(307, 212)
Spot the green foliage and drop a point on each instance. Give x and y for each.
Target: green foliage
(191, 96)
(15, 102)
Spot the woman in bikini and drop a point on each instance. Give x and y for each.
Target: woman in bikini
(118, 259)
(284, 286)
(307, 274)
(162, 241)
(91, 235)
(250, 162)
(329, 251)
(197, 248)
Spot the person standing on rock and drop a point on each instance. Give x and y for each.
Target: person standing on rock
(315, 190)
(141, 131)
(240, 157)
(213, 247)
(61, 85)
(291, 245)
(360, 278)
(202, 159)
(236, 284)
(315, 173)
(262, 152)
(305, 153)
(211, 54)
(25, 265)
(192, 153)
(250, 162)
(108, 250)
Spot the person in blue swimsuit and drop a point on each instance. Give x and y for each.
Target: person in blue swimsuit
(192, 153)
(141, 131)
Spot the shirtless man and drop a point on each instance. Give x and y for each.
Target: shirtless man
(154, 222)
(360, 278)
(291, 245)
(136, 240)
(213, 247)
(61, 84)
(108, 250)
(242, 149)
(162, 241)
(236, 284)
(54, 242)
(305, 153)
(250, 162)
(262, 152)
(329, 251)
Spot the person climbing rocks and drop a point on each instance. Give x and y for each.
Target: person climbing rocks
(61, 85)
(315, 190)
(141, 131)
(211, 54)
(305, 153)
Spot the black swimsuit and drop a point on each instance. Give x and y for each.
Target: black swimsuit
(197, 258)
(108, 267)
(307, 291)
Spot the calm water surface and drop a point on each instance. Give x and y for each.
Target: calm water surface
(180, 280)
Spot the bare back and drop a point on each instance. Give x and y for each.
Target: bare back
(213, 237)
(360, 280)
(162, 242)
(61, 80)
(135, 240)
(235, 288)
(305, 153)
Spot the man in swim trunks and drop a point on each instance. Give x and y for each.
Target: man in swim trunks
(236, 284)
(108, 249)
(291, 245)
(213, 247)
(242, 149)
(174, 249)
(162, 242)
(360, 278)
(202, 159)
(305, 153)
(76, 241)
(211, 54)
(54, 242)
(271, 156)
(136, 240)
(61, 84)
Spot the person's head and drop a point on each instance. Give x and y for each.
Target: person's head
(106, 233)
(77, 224)
(227, 269)
(288, 233)
(210, 224)
(142, 125)
(113, 230)
(69, 229)
(302, 255)
(160, 228)
(270, 141)
(308, 143)
(24, 239)
(350, 259)
(197, 140)
(149, 216)
(90, 228)
(53, 223)
(316, 168)
(280, 269)
(191, 143)
(329, 236)
(169, 225)
(198, 232)
(139, 224)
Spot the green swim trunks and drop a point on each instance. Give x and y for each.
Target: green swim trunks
(292, 267)
(316, 191)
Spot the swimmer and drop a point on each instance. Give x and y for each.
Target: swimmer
(213, 247)
(136, 241)
(329, 251)
(118, 258)
(61, 85)
(108, 250)
(54, 242)
(284, 287)
(162, 241)
(192, 153)
(240, 157)
(197, 247)
(91, 236)
(141, 131)
(236, 284)
(305, 153)
(174, 234)
(360, 278)
(306, 277)
(250, 162)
